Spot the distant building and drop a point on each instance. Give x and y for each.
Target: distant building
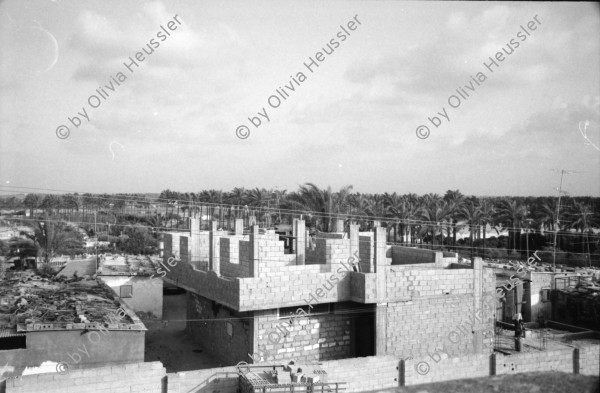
(135, 281)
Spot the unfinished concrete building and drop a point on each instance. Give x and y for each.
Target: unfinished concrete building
(341, 295)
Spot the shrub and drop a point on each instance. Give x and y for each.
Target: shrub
(514, 254)
(45, 269)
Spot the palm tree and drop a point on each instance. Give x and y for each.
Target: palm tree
(457, 202)
(405, 210)
(472, 216)
(433, 212)
(51, 237)
(512, 213)
(487, 213)
(326, 203)
(237, 196)
(32, 201)
(582, 219)
(51, 202)
(547, 219)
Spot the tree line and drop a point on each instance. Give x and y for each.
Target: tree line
(430, 219)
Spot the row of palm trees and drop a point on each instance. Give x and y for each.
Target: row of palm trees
(413, 219)
(409, 218)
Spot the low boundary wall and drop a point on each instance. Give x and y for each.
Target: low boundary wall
(360, 374)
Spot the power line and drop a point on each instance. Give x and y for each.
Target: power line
(187, 203)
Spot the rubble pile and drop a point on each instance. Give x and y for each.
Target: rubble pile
(32, 302)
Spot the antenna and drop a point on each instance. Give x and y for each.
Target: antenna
(557, 223)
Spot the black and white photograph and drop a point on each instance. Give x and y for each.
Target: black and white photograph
(262, 196)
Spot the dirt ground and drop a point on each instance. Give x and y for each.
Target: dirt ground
(168, 342)
(548, 382)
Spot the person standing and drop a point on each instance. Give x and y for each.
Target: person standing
(519, 330)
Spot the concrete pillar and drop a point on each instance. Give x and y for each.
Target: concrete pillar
(254, 251)
(194, 244)
(300, 241)
(294, 234)
(339, 226)
(478, 327)
(354, 241)
(381, 329)
(214, 251)
(380, 263)
(239, 226)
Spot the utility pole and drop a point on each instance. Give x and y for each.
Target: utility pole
(557, 222)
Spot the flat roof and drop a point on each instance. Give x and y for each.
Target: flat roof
(29, 303)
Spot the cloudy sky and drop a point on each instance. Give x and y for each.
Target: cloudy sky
(171, 122)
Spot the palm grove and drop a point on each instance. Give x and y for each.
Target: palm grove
(430, 220)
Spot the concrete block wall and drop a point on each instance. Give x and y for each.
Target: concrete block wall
(443, 368)
(103, 348)
(315, 254)
(363, 287)
(337, 253)
(332, 235)
(171, 244)
(271, 255)
(200, 247)
(360, 374)
(443, 324)
(555, 360)
(589, 359)
(286, 286)
(405, 282)
(364, 374)
(231, 264)
(222, 380)
(329, 251)
(185, 249)
(315, 337)
(212, 333)
(224, 290)
(411, 256)
(366, 247)
(294, 285)
(129, 378)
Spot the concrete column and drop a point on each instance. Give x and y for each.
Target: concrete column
(354, 241)
(380, 268)
(214, 251)
(339, 226)
(478, 327)
(300, 241)
(380, 262)
(239, 226)
(254, 250)
(194, 245)
(294, 234)
(381, 329)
